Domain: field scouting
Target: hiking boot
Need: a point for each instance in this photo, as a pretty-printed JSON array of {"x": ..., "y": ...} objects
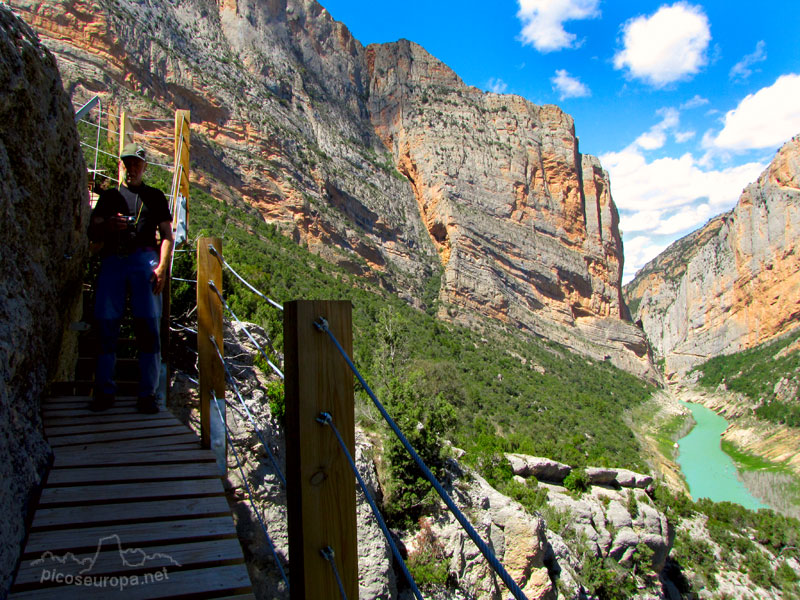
[
  {"x": 101, "y": 401},
  {"x": 147, "y": 405}
]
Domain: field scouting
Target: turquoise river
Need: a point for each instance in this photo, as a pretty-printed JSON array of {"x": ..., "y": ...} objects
[{"x": 710, "y": 472}]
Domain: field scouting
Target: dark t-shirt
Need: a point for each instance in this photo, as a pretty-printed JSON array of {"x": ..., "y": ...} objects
[{"x": 148, "y": 207}]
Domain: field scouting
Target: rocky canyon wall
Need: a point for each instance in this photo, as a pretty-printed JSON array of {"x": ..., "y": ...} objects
[
  {"x": 733, "y": 284},
  {"x": 379, "y": 159},
  {"x": 43, "y": 218}
]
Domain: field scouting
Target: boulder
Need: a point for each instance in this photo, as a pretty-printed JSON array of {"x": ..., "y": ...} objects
[
  {"x": 544, "y": 469},
  {"x": 601, "y": 475},
  {"x": 631, "y": 479}
]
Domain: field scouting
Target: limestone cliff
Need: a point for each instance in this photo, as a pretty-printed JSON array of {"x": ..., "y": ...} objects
[
  {"x": 524, "y": 225},
  {"x": 733, "y": 284},
  {"x": 379, "y": 158},
  {"x": 43, "y": 216}
]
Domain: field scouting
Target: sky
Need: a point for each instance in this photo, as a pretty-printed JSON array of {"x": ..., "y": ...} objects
[{"x": 685, "y": 103}]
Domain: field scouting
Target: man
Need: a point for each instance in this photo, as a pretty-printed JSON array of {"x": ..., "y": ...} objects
[{"x": 125, "y": 222}]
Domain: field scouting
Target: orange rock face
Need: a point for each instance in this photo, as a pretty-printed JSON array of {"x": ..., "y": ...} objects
[{"x": 735, "y": 283}]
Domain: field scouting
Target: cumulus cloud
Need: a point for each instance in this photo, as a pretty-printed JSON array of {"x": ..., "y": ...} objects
[
  {"x": 742, "y": 70},
  {"x": 543, "y": 21},
  {"x": 666, "y": 47},
  {"x": 498, "y": 86},
  {"x": 765, "y": 119},
  {"x": 669, "y": 183},
  {"x": 568, "y": 86}
]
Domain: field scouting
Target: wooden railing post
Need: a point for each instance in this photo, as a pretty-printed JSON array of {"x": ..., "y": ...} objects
[
  {"x": 321, "y": 497},
  {"x": 209, "y": 323}
]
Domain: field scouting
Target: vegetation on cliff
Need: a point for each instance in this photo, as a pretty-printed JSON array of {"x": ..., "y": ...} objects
[{"x": 767, "y": 374}]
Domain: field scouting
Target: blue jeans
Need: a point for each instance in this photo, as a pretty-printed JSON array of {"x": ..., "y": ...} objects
[{"x": 122, "y": 276}]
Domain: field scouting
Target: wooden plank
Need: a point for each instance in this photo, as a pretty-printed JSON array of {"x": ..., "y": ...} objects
[
  {"x": 119, "y": 435},
  {"x": 54, "y": 431},
  {"x": 110, "y": 420},
  {"x": 204, "y": 553},
  {"x": 197, "y": 583},
  {"x": 200, "y": 554},
  {"x": 150, "y": 509},
  {"x": 175, "y": 439},
  {"x": 81, "y": 457},
  {"x": 320, "y": 485},
  {"x": 209, "y": 324},
  {"x": 128, "y": 491},
  {"x": 85, "y": 412},
  {"x": 128, "y": 535},
  {"x": 111, "y": 474}
]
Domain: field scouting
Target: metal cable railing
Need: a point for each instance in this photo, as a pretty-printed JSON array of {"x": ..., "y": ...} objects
[
  {"x": 242, "y": 279},
  {"x": 327, "y": 419},
  {"x": 250, "y": 491},
  {"x": 322, "y": 325},
  {"x": 247, "y": 332},
  {"x": 272, "y": 458}
]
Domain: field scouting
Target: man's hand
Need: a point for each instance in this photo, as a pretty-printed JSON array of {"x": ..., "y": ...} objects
[{"x": 159, "y": 278}]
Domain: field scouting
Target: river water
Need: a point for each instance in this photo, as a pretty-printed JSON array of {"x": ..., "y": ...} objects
[{"x": 709, "y": 472}]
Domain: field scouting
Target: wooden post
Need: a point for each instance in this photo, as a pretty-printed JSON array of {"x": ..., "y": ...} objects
[
  {"x": 321, "y": 496},
  {"x": 125, "y": 137},
  {"x": 209, "y": 323},
  {"x": 180, "y": 184}
]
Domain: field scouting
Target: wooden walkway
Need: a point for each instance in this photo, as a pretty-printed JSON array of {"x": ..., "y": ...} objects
[{"x": 132, "y": 508}]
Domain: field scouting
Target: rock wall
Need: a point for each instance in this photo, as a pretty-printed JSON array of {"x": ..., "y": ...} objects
[
  {"x": 733, "y": 284},
  {"x": 43, "y": 218},
  {"x": 379, "y": 159},
  {"x": 524, "y": 225}
]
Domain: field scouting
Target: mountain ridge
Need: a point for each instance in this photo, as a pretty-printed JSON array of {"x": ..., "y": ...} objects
[{"x": 287, "y": 110}]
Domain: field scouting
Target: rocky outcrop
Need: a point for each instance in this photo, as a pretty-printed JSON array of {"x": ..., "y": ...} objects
[
  {"x": 524, "y": 225},
  {"x": 43, "y": 212},
  {"x": 551, "y": 471},
  {"x": 733, "y": 284},
  {"x": 379, "y": 159}
]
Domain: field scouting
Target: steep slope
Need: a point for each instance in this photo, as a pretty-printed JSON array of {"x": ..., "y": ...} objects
[
  {"x": 338, "y": 145},
  {"x": 735, "y": 283}
]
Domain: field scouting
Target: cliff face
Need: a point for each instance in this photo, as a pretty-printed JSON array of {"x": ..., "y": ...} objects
[
  {"x": 380, "y": 159},
  {"x": 524, "y": 225},
  {"x": 733, "y": 284},
  {"x": 43, "y": 217}
]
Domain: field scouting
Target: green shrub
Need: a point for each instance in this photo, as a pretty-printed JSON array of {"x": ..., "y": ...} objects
[
  {"x": 428, "y": 563},
  {"x": 277, "y": 400},
  {"x": 577, "y": 482}
]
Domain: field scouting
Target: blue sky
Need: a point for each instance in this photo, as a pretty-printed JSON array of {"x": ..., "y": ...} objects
[{"x": 685, "y": 103}]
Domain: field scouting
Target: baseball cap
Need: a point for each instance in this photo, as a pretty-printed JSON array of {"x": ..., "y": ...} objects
[{"x": 133, "y": 150}]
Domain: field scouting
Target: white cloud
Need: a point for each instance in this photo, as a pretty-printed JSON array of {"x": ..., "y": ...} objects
[
  {"x": 651, "y": 140},
  {"x": 669, "y": 183},
  {"x": 695, "y": 101},
  {"x": 686, "y": 218},
  {"x": 668, "y": 46},
  {"x": 684, "y": 136},
  {"x": 765, "y": 119},
  {"x": 543, "y": 21},
  {"x": 656, "y": 136},
  {"x": 498, "y": 86},
  {"x": 742, "y": 70},
  {"x": 638, "y": 252},
  {"x": 568, "y": 86}
]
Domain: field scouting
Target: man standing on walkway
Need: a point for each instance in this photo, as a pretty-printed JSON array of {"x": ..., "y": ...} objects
[{"x": 132, "y": 263}]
